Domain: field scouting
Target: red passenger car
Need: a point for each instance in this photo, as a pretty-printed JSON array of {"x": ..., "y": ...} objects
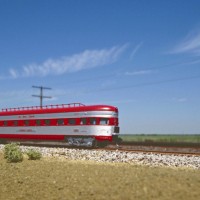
[{"x": 75, "y": 123}]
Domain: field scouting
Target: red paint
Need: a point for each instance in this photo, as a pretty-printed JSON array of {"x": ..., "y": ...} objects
[
  {"x": 32, "y": 111},
  {"x": 32, "y": 137},
  {"x": 102, "y": 138},
  {"x": 53, "y": 122},
  {"x": 28, "y": 114},
  {"x": 47, "y": 137}
]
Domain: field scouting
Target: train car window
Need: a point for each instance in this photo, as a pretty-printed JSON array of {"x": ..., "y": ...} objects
[
  {"x": 47, "y": 121},
  {"x": 60, "y": 121},
  {"x": 104, "y": 121},
  {"x": 83, "y": 121},
  {"x": 26, "y": 122},
  {"x": 5, "y": 123},
  {"x": 38, "y": 122},
  {"x": 15, "y": 123},
  {"x": 92, "y": 121},
  {"x": 72, "y": 121}
]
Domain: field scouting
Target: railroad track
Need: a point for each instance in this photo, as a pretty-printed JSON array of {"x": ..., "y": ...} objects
[
  {"x": 157, "y": 150},
  {"x": 175, "y": 150}
]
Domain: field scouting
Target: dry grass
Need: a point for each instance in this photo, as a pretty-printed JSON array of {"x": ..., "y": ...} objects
[{"x": 64, "y": 179}]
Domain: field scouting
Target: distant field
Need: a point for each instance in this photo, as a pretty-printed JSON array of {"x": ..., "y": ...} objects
[
  {"x": 52, "y": 178},
  {"x": 161, "y": 138}
]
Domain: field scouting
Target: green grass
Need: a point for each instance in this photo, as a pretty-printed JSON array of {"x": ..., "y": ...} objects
[
  {"x": 13, "y": 153},
  {"x": 33, "y": 154},
  {"x": 51, "y": 178},
  {"x": 161, "y": 138}
]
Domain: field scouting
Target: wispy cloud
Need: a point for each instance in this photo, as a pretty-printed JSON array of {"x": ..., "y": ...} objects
[
  {"x": 17, "y": 98},
  {"x": 112, "y": 102},
  {"x": 14, "y": 97},
  {"x": 140, "y": 72},
  {"x": 180, "y": 99},
  {"x": 191, "y": 44},
  {"x": 4, "y": 77},
  {"x": 77, "y": 62},
  {"x": 13, "y": 73},
  {"x": 135, "y": 50}
]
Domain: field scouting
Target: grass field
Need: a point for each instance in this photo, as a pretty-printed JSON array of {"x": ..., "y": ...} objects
[
  {"x": 64, "y": 179},
  {"x": 161, "y": 138}
]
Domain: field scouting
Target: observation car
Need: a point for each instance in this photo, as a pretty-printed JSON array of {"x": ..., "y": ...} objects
[{"x": 74, "y": 123}]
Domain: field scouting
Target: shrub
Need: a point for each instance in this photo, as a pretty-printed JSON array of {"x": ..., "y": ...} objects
[
  {"x": 13, "y": 153},
  {"x": 34, "y": 155}
]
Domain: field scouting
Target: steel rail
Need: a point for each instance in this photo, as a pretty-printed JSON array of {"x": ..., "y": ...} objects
[
  {"x": 124, "y": 148},
  {"x": 147, "y": 151}
]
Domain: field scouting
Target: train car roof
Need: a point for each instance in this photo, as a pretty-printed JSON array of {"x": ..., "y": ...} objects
[{"x": 74, "y": 107}]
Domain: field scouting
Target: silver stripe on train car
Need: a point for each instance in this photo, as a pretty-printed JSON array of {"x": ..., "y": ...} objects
[
  {"x": 61, "y": 130},
  {"x": 106, "y": 114}
]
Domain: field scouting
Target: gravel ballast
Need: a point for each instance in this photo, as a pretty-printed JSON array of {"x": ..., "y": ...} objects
[{"x": 150, "y": 159}]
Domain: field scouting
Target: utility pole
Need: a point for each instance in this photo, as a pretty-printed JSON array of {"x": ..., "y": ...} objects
[{"x": 41, "y": 96}]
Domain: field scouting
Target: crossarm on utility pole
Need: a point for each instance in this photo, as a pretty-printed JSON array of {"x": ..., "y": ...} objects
[{"x": 41, "y": 96}]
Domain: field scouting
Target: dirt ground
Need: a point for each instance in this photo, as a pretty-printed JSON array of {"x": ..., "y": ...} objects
[{"x": 63, "y": 179}]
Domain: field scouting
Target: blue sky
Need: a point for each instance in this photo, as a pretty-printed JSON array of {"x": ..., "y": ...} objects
[{"x": 141, "y": 56}]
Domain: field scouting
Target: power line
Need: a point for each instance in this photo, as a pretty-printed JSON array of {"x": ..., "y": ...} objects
[
  {"x": 123, "y": 87},
  {"x": 120, "y": 73},
  {"x": 41, "y": 96},
  {"x": 145, "y": 84}
]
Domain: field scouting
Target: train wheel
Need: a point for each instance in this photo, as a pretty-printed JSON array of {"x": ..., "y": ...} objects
[
  {"x": 102, "y": 144},
  {"x": 94, "y": 143}
]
